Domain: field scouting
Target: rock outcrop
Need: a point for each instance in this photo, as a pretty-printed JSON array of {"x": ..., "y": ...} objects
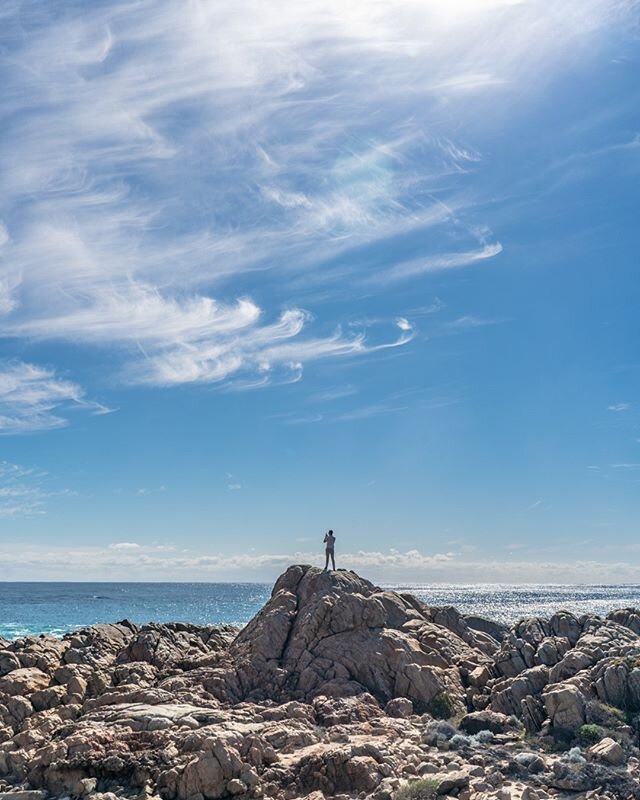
[
  {"x": 334, "y": 633},
  {"x": 335, "y": 688}
]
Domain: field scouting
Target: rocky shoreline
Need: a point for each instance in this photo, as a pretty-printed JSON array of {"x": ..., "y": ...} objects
[{"x": 336, "y": 688}]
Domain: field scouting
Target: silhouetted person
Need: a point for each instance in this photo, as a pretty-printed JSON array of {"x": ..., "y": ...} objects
[{"x": 330, "y": 541}]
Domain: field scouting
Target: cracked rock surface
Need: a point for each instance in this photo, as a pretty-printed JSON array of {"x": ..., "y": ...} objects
[{"x": 336, "y": 688}]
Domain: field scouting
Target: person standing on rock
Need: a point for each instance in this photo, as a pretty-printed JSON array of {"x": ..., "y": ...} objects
[{"x": 330, "y": 541}]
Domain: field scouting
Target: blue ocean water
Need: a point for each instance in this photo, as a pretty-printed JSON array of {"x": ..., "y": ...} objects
[{"x": 56, "y": 608}]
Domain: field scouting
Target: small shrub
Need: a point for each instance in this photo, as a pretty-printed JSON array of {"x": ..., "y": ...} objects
[
  {"x": 443, "y": 728},
  {"x": 589, "y": 734},
  {"x": 604, "y": 715},
  {"x": 442, "y": 706},
  {"x": 612, "y": 710},
  {"x": 437, "y": 732},
  {"x": 574, "y": 756},
  {"x": 480, "y": 738},
  {"x": 484, "y": 737},
  {"x": 419, "y": 789},
  {"x": 525, "y": 759}
]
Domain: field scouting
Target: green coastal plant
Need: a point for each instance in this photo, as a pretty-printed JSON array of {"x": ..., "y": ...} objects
[
  {"x": 442, "y": 706},
  {"x": 419, "y": 789},
  {"x": 609, "y": 709},
  {"x": 589, "y": 734}
]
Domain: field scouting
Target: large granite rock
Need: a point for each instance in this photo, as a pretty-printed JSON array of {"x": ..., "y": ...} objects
[
  {"x": 336, "y": 633},
  {"x": 565, "y": 705},
  {"x": 331, "y": 689},
  {"x": 24, "y": 681}
]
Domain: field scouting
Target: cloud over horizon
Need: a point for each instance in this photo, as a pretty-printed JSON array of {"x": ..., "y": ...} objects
[{"x": 167, "y": 562}]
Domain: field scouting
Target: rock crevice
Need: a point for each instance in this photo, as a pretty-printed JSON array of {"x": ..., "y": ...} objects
[{"x": 336, "y": 687}]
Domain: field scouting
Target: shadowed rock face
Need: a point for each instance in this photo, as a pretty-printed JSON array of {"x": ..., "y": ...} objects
[
  {"x": 323, "y": 693},
  {"x": 335, "y": 633}
]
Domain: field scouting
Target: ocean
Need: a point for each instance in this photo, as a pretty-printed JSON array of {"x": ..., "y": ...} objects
[{"x": 56, "y": 608}]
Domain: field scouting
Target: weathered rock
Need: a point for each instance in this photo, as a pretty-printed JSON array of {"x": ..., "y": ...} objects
[
  {"x": 479, "y": 676},
  {"x": 486, "y": 721},
  {"x": 629, "y": 617},
  {"x": 8, "y": 662},
  {"x": 444, "y": 784},
  {"x": 338, "y": 770},
  {"x": 607, "y": 750},
  {"x": 99, "y": 645},
  {"x": 176, "y": 644},
  {"x": 496, "y": 630},
  {"x": 23, "y": 681},
  {"x": 209, "y": 773},
  {"x": 323, "y": 628},
  {"x": 331, "y": 711},
  {"x": 324, "y": 694},
  {"x": 50, "y": 697},
  {"x": 565, "y": 706},
  {"x": 399, "y": 707},
  {"x": 42, "y": 652}
]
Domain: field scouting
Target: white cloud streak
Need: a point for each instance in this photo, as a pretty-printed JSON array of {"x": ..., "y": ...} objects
[
  {"x": 158, "y": 156},
  {"x": 24, "y": 492},
  {"x": 34, "y": 398},
  {"x": 445, "y": 261},
  {"x": 619, "y": 407}
]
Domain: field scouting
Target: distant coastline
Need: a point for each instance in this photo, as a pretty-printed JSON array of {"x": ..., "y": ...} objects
[{"x": 32, "y": 608}]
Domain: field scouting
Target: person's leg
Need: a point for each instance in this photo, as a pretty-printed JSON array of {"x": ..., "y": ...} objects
[
  {"x": 333, "y": 562},
  {"x": 326, "y": 561}
]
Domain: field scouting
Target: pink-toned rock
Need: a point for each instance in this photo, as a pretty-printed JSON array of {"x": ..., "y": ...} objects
[{"x": 24, "y": 681}]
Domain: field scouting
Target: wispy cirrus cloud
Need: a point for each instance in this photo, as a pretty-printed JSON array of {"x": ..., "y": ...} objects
[
  {"x": 619, "y": 407},
  {"x": 470, "y": 321},
  {"x": 437, "y": 263},
  {"x": 34, "y": 398},
  {"x": 24, "y": 491},
  {"x": 156, "y": 159}
]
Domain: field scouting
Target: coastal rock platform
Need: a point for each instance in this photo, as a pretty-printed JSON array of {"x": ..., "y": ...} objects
[{"x": 336, "y": 688}]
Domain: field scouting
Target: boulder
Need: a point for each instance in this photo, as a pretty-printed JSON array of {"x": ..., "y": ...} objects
[
  {"x": 496, "y": 630},
  {"x": 323, "y": 629},
  {"x": 24, "y": 681},
  {"x": 99, "y": 645},
  {"x": 330, "y": 711},
  {"x": 607, "y": 750},
  {"x": 451, "y": 781},
  {"x": 400, "y": 707},
  {"x": 479, "y": 676},
  {"x": 170, "y": 644},
  {"x": 48, "y": 698},
  {"x": 336, "y": 771},
  {"x": 492, "y": 721},
  {"x": 629, "y": 617},
  {"x": 8, "y": 662},
  {"x": 43, "y": 652},
  {"x": 565, "y": 706},
  {"x": 209, "y": 773}
]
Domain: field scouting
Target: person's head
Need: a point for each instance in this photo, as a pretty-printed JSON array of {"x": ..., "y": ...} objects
[{"x": 331, "y": 533}]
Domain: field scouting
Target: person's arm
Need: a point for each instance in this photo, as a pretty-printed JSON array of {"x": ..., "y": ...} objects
[{"x": 326, "y": 536}]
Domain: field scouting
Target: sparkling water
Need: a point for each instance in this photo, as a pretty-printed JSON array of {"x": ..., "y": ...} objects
[{"x": 33, "y": 608}]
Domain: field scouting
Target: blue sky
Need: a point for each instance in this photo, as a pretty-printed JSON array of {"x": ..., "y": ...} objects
[{"x": 266, "y": 270}]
